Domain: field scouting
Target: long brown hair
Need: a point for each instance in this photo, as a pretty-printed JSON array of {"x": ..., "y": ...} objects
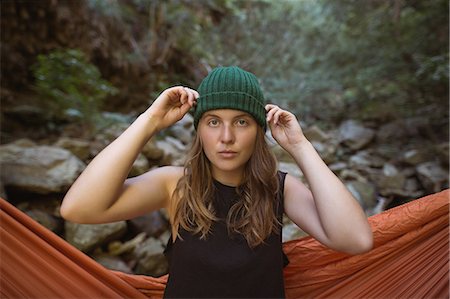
[{"x": 254, "y": 215}]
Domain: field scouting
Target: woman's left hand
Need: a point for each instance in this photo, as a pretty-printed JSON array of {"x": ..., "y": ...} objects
[{"x": 284, "y": 127}]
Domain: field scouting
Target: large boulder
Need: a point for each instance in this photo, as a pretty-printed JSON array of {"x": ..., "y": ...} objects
[
  {"x": 291, "y": 168},
  {"x": 183, "y": 130},
  {"x": 151, "y": 151},
  {"x": 140, "y": 166},
  {"x": 326, "y": 151},
  {"x": 416, "y": 156},
  {"x": 354, "y": 135},
  {"x": 2, "y": 191},
  {"x": 174, "y": 151},
  {"x": 87, "y": 237},
  {"x": 47, "y": 220},
  {"x": 291, "y": 232},
  {"x": 432, "y": 176},
  {"x": 443, "y": 152},
  {"x": 39, "y": 169},
  {"x": 153, "y": 224},
  {"x": 78, "y": 147},
  {"x": 391, "y": 179},
  {"x": 364, "y": 159},
  {"x": 365, "y": 194},
  {"x": 119, "y": 248},
  {"x": 106, "y": 136},
  {"x": 315, "y": 134},
  {"x": 112, "y": 263},
  {"x": 150, "y": 258}
]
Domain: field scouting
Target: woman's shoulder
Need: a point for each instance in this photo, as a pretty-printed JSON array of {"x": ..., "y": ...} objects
[
  {"x": 164, "y": 176},
  {"x": 171, "y": 170},
  {"x": 171, "y": 174}
]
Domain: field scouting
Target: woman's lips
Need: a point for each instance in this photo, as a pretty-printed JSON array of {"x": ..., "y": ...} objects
[{"x": 227, "y": 154}]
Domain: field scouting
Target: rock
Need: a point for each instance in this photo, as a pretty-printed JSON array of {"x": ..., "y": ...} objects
[
  {"x": 281, "y": 154},
  {"x": 164, "y": 238},
  {"x": 326, "y": 151},
  {"x": 350, "y": 175},
  {"x": 140, "y": 166},
  {"x": 24, "y": 142},
  {"x": 338, "y": 166},
  {"x": 151, "y": 151},
  {"x": 354, "y": 135},
  {"x": 105, "y": 137},
  {"x": 392, "y": 131},
  {"x": 49, "y": 221},
  {"x": 291, "y": 168},
  {"x": 118, "y": 248},
  {"x": 379, "y": 207},
  {"x": 443, "y": 152},
  {"x": 315, "y": 134},
  {"x": 174, "y": 151},
  {"x": 29, "y": 114},
  {"x": 391, "y": 178},
  {"x": 78, "y": 147},
  {"x": 364, "y": 193},
  {"x": 40, "y": 169},
  {"x": 114, "y": 117},
  {"x": 414, "y": 126},
  {"x": 151, "y": 259},
  {"x": 183, "y": 130},
  {"x": 409, "y": 172},
  {"x": 412, "y": 185},
  {"x": 415, "y": 156},
  {"x": 432, "y": 176},
  {"x": 153, "y": 224},
  {"x": 364, "y": 159},
  {"x": 89, "y": 236},
  {"x": 163, "y": 212},
  {"x": 385, "y": 152},
  {"x": 2, "y": 191},
  {"x": 113, "y": 131},
  {"x": 112, "y": 263},
  {"x": 291, "y": 232}
]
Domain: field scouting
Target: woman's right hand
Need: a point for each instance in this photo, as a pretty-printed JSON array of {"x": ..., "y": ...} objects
[{"x": 171, "y": 105}]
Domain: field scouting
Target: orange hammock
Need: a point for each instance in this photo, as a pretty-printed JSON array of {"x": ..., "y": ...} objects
[{"x": 409, "y": 260}]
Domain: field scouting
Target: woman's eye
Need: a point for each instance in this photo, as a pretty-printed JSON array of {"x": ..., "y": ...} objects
[
  {"x": 213, "y": 122},
  {"x": 242, "y": 122}
]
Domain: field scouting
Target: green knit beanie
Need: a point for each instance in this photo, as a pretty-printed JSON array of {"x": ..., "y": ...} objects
[{"x": 231, "y": 88}]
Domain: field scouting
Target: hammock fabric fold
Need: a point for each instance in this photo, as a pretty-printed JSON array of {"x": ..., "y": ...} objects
[{"x": 410, "y": 259}]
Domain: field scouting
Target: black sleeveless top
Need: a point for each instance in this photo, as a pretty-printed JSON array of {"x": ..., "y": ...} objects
[{"x": 224, "y": 266}]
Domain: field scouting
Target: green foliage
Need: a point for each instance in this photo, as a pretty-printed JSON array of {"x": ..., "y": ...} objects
[
  {"x": 321, "y": 58},
  {"x": 71, "y": 86}
]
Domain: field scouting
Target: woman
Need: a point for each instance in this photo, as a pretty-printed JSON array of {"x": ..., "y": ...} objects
[{"x": 226, "y": 204}]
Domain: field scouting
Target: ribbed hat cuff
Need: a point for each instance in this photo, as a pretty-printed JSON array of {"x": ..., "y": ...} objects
[{"x": 235, "y": 100}]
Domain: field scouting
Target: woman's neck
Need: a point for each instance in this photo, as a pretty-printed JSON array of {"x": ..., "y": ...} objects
[{"x": 228, "y": 178}]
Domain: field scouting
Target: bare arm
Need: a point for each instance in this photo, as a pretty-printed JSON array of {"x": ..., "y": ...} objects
[
  {"x": 102, "y": 193},
  {"x": 328, "y": 211}
]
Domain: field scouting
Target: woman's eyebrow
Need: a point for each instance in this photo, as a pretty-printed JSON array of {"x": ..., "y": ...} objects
[
  {"x": 209, "y": 114},
  {"x": 243, "y": 115}
]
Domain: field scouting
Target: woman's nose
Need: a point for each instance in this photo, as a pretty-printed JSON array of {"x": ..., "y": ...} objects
[{"x": 227, "y": 134}]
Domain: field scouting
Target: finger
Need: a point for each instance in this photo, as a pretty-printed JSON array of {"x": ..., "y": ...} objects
[
  {"x": 184, "y": 97},
  {"x": 278, "y": 116},
  {"x": 191, "y": 96},
  {"x": 269, "y": 107},
  {"x": 194, "y": 92},
  {"x": 197, "y": 95},
  {"x": 271, "y": 112}
]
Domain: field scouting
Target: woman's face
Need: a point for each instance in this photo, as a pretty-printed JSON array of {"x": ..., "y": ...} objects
[{"x": 228, "y": 138}]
